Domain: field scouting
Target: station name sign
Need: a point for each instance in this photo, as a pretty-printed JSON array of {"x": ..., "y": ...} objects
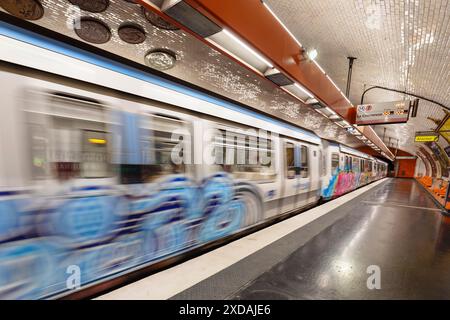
[
  {"x": 426, "y": 136},
  {"x": 383, "y": 113}
]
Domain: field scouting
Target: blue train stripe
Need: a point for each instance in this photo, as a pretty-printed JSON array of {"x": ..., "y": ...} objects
[{"x": 32, "y": 38}]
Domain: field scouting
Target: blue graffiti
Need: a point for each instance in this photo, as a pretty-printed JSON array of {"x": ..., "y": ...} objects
[{"x": 104, "y": 231}]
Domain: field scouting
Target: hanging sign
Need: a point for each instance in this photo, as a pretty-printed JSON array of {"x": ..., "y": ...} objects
[{"x": 383, "y": 113}]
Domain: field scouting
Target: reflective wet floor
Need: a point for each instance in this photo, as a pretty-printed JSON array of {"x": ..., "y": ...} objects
[{"x": 395, "y": 229}]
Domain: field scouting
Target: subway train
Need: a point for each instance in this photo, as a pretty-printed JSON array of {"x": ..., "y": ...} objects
[{"x": 105, "y": 169}]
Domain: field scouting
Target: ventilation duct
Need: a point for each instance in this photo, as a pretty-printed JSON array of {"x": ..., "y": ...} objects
[
  {"x": 278, "y": 78},
  {"x": 190, "y": 18}
]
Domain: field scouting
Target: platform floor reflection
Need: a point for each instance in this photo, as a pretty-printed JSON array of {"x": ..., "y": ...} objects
[{"x": 395, "y": 226}]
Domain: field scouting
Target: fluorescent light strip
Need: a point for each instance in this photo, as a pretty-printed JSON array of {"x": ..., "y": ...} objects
[
  {"x": 320, "y": 112},
  {"x": 315, "y": 62},
  {"x": 330, "y": 110},
  {"x": 282, "y": 24},
  {"x": 334, "y": 84},
  {"x": 298, "y": 42},
  {"x": 309, "y": 94},
  {"x": 320, "y": 68},
  {"x": 244, "y": 45},
  {"x": 342, "y": 93}
]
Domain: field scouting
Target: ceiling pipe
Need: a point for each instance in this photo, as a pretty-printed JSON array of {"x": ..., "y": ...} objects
[
  {"x": 403, "y": 92},
  {"x": 349, "y": 76}
]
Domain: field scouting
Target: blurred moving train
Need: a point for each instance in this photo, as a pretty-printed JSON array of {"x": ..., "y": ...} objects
[{"x": 104, "y": 170}]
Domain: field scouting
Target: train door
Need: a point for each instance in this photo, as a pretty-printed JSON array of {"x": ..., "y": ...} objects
[
  {"x": 291, "y": 181},
  {"x": 297, "y": 177},
  {"x": 330, "y": 180},
  {"x": 355, "y": 167},
  {"x": 305, "y": 155},
  {"x": 322, "y": 170},
  {"x": 247, "y": 156},
  {"x": 361, "y": 172},
  {"x": 315, "y": 166}
]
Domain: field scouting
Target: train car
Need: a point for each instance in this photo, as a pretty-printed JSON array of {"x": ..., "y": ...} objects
[
  {"x": 105, "y": 170},
  {"x": 348, "y": 169}
]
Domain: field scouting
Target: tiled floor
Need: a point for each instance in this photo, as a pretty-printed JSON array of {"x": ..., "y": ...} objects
[{"x": 396, "y": 227}]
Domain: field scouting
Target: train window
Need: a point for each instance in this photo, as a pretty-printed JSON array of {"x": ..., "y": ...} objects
[
  {"x": 79, "y": 147},
  {"x": 69, "y": 139},
  {"x": 304, "y": 162},
  {"x": 39, "y": 147},
  {"x": 244, "y": 154},
  {"x": 95, "y": 157},
  {"x": 361, "y": 165},
  {"x": 290, "y": 160},
  {"x": 334, "y": 162},
  {"x": 346, "y": 163},
  {"x": 157, "y": 146},
  {"x": 369, "y": 166},
  {"x": 323, "y": 163},
  {"x": 355, "y": 165}
]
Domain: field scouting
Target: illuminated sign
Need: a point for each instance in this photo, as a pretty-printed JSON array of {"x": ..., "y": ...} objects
[
  {"x": 97, "y": 141},
  {"x": 383, "y": 113},
  {"x": 444, "y": 130},
  {"x": 426, "y": 136}
]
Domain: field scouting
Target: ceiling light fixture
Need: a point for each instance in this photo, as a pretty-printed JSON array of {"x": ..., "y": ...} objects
[
  {"x": 312, "y": 54},
  {"x": 330, "y": 110},
  {"x": 314, "y": 103},
  {"x": 320, "y": 68},
  {"x": 321, "y": 113},
  {"x": 245, "y": 46},
  {"x": 282, "y": 24},
  {"x": 309, "y": 94}
]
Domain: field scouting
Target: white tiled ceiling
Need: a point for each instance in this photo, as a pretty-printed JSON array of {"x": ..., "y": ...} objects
[{"x": 401, "y": 44}]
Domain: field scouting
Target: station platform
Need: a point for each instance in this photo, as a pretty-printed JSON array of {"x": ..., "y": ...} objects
[{"x": 324, "y": 253}]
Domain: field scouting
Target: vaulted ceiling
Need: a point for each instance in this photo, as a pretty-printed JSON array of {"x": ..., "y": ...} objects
[{"x": 400, "y": 44}]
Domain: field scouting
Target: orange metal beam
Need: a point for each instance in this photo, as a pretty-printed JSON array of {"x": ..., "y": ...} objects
[{"x": 251, "y": 20}]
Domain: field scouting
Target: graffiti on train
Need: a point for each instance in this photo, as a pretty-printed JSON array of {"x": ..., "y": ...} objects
[{"x": 103, "y": 230}]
